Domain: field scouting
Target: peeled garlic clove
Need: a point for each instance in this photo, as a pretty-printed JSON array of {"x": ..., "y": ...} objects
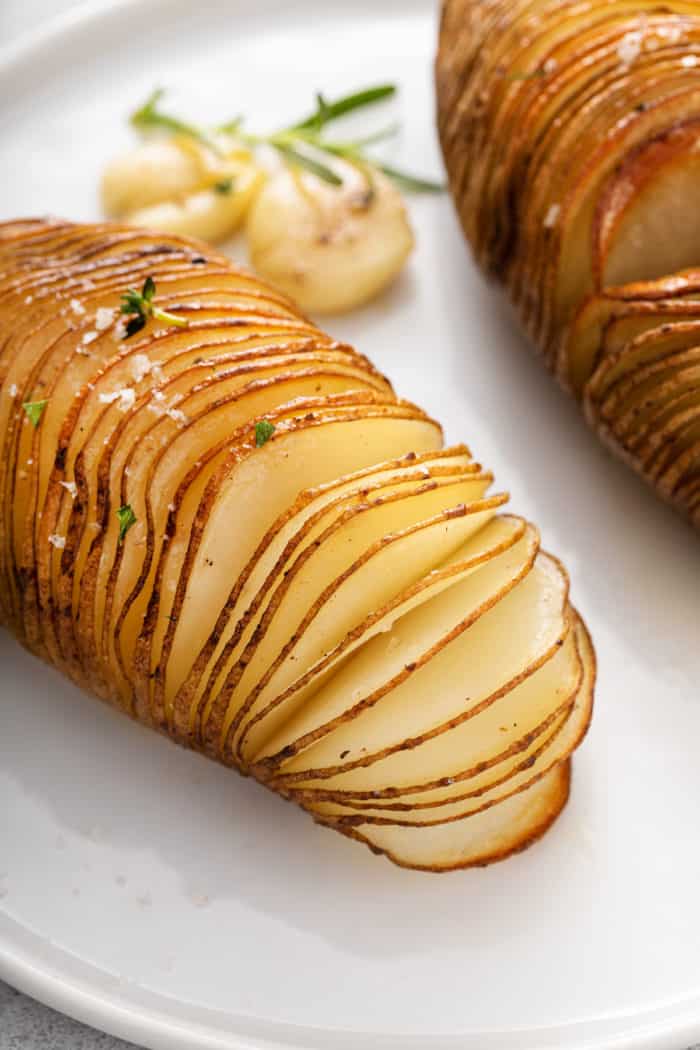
[
  {"x": 330, "y": 248},
  {"x": 208, "y": 214},
  {"x": 148, "y": 174}
]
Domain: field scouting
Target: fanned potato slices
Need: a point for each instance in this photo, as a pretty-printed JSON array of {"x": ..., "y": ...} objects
[
  {"x": 229, "y": 526},
  {"x": 571, "y": 136}
]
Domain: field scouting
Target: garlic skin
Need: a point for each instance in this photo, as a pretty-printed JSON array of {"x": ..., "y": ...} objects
[
  {"x": 169, "y": 184},
  {"x": 330, "y": 248}
]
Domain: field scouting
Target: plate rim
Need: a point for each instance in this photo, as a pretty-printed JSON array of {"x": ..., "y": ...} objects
[{"x": 152, "y": 1026}]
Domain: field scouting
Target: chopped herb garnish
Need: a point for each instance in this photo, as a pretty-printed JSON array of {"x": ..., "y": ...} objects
[
  {"x": 34, "y": 410},
  {"x": 301, "y": 144},
  {"x": 126, "y": 518},
  {"x": 224, "y": 186},
  {"x": 140, "y": 305},
  {"x": 263, "y": 432}
]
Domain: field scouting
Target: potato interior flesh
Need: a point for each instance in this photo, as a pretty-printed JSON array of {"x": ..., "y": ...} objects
[
  {"x": 504, "y": 778},
  {"x": 410, "y": 638},
  {"x": 648, "y": 230},
  {"x": 292, "y": 532},
  {"x": 233, "y": 530},
  {"x": 479, "y": 839}
]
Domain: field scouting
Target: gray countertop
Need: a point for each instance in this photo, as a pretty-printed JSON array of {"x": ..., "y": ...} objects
[{"x": 24, "y": 1023}]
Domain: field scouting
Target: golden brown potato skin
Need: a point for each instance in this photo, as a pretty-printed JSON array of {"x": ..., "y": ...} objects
[
  {"x": 236, "y": 546},
  {"x": 570, "y": 134}
]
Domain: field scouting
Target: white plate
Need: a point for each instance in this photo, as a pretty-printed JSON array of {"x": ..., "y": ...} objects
[{"x": 157, "y": 896}]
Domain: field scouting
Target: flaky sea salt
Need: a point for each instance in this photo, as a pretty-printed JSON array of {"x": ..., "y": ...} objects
[
  {"x": 77, "y": 307},
  {"x": 126, "y": 398},
  {"x": 70, "y": 487},
  {"x": 141, "y": 366},
  {"x": 103, "y": 318},
  {"x": 552, "y": 216},
  {"x": 58, "y": 542},
  {"x": 689, "y": 61},
  {"x": 177, "y": 416},
  {"x": 630, "y": 47},
  {"x": 13, "y": 391},
  {"x": 119, "y": 331}
]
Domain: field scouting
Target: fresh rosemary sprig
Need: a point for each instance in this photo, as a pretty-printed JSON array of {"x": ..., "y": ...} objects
[
  {"x": 140, "y": 306},
  {"x": 302, "y": 144},
  {"x": 327, "y": 111},
  {"x": 148, "y": 116}
]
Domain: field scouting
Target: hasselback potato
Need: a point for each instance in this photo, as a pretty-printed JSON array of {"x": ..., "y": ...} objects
[
  {"x": 571, "y": 134},
  {"x": 228, "y": 526}
]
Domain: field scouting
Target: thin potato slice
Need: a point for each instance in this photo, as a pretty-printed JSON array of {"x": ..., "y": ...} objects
[
  {"x": 295, "y": 528},
  {"x": 324, "y": 518},
  {"x": 506, "y": 779},
  {"x": 393, "y": 561},
  {"x": 480, "y": 839},
  {"x": 412, "y": 743},
  {"x": 413, "y": 639}
]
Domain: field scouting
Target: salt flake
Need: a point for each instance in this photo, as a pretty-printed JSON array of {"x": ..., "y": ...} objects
[
  {"x": 630, "y": 47},
  {"x": 103, "y": 318},
  {"x": 552, "y": 216}
]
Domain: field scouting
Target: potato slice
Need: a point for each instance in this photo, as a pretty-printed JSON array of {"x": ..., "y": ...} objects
[
  {"x": 394, "y": 745},
  {"x": 412, "y": 641},
  {"x": 644, "y": 229},
  {"x": 389, "y": 562},
  {"x": 477, "y": 840},
  {"x": 249, "y": 502},
  {"x": 296, "y": 528},
  {"x": 473, "y": 795}
]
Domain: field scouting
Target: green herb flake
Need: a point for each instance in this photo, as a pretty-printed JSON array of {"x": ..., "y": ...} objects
[
  {"x": 126, "y": 518},
  {"x": 224, "y": 186},
  {"x": 34, "y": 410},
  {"x": 263, "y": 432},
  {"x": 141, "y": 308}
]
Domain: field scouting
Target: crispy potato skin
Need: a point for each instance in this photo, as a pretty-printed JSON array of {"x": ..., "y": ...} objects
[
  {"x": 570, "y": 134},
  {"x": 210, "y": 525}
]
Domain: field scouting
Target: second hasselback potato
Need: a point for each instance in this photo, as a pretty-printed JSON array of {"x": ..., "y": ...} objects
[
  {"x": 229, "y": 527},
  {"x": 571, "y": 134}
]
